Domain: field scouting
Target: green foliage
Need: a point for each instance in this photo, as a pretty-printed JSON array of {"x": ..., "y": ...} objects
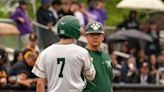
[{"x": 115, "y": 15}]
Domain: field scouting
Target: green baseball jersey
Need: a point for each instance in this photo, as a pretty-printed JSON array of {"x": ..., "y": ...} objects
[{"x": 104, "y": 74}]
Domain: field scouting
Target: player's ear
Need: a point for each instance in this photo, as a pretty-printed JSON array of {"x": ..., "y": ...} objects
[{"x": 103, "y": 37}]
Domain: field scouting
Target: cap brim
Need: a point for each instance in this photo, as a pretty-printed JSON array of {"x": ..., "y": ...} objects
[{"x": 101, "y": 32}]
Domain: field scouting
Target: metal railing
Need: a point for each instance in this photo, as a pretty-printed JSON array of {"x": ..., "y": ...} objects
[{"x": 46, "y": 27}]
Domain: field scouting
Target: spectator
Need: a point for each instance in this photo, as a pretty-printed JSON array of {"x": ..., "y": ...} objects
[
  {"x": 31, "y": 46},
  {"x": 65, "y": 9},
  {"x": 75, "y": 8},
  {"x": 132, "y": 70},
  {"x": 45, "y": 17},
  {"x": 24, "y": 25},
  {"x": 144, "y": 77},
  {"x": 25, "y": 66},
  {"x": 153, "y": 47},
  {"x": 162, "y": 78},
  {"x": 20, "y": 79},
  {"x": 18, "y": 57},
  {"x": 131, "y": 22},
  {"x": 153, "y": 65},
  {"x": 128, "y": 71},
  {"x": 116, "y": 67},
  {"x": 87, "y": 16},
  {"x": 93, "y": 11},
  {"x": 101, "y": 9},
  {"x": 3, "y": 73},
  {"x": 125, "y": 49},
  {"x": 56, "y": 6},
  {"x": 133, "y": 52},
  {"x": 161, "y": 60},
  {"x": 141, "y": 58}
]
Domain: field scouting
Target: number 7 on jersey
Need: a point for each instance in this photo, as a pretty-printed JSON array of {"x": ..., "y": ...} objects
[{"x": 61, "y": 60}]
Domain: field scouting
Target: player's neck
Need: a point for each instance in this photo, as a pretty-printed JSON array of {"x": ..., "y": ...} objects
[
  {"x": 93, "y": 48},
  {"x": 66, "y": 41}
]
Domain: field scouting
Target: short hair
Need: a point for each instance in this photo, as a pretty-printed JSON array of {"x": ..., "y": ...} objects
[
  {"x": 3, "y": 54},
  {"x": 75, "y": 2},
  {"x": 152, "y": 22},
  {"x": 56, "y": 2},
  {"x": 23, "y": 2},
  {"x": 132, "y": 12},
  {"x": 64, "y": 37},
  {"x": 33, "y": 37},
  {"x": 32, "y": 55}
]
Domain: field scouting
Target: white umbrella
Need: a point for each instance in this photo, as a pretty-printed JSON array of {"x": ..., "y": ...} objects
[
  {"x": 8, "y": 29},
  {"x": 142, "y": 4}
]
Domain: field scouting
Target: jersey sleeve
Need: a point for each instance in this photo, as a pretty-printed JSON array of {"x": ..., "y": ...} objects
[
  {"x": 39, "y": 67},
  {"x": 88, "y": 68}
]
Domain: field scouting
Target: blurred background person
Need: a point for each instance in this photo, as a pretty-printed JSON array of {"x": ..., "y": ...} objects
[
  {"x": 45, "y": 17},
  {"x": 141, "y": 58},
  {"x": 131, "y": 22},
  {"x": 144, "y": 76},
  {"x": 26, "y": 66},
  {"x": 87, "y": 16},
  {"x": 91, "y": 9},
  {"x": 153, "y": 66},
  {"x": 56, "y": 6},
  {"x": 162, "y": 78},
  {"x": 116, "y": 67},
  {"x": 21, "y": 79},
  {"x": 20, "y": 16},
  {"x": 75, "y": 8},
  {"x": 31, "y": 46},
  {"x": 66, "y": 4},
  {"x": 154, "y": 46},
  {"x": 101, "y": 9},
  {"x": 3, "y": 73},
  {"x": 18, "y": 57},
  {"x": 161, "y": 60}
]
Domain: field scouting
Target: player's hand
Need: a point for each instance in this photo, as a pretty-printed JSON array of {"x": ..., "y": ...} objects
[{"x": 22, "y": 20}]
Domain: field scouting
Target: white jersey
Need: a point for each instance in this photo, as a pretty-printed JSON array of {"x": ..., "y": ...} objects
[{"x": 62, "y": 66}]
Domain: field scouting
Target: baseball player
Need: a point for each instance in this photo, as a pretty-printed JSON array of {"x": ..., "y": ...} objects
[
  {"x": 63, "y": 63},
  {"x": 101, "y": 61}
]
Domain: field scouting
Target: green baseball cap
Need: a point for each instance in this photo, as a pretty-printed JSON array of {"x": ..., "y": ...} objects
[{"x": 94, "y": 27}]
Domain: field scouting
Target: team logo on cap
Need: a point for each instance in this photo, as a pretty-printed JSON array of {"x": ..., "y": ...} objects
[
  {"x": 95, "y": 26},
  {"x": 62, "y": 32}
]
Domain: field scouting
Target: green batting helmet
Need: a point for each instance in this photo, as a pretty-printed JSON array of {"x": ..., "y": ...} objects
[
  {"x": 69, "y": 26},
  {"x": 94, "y": 27}
]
